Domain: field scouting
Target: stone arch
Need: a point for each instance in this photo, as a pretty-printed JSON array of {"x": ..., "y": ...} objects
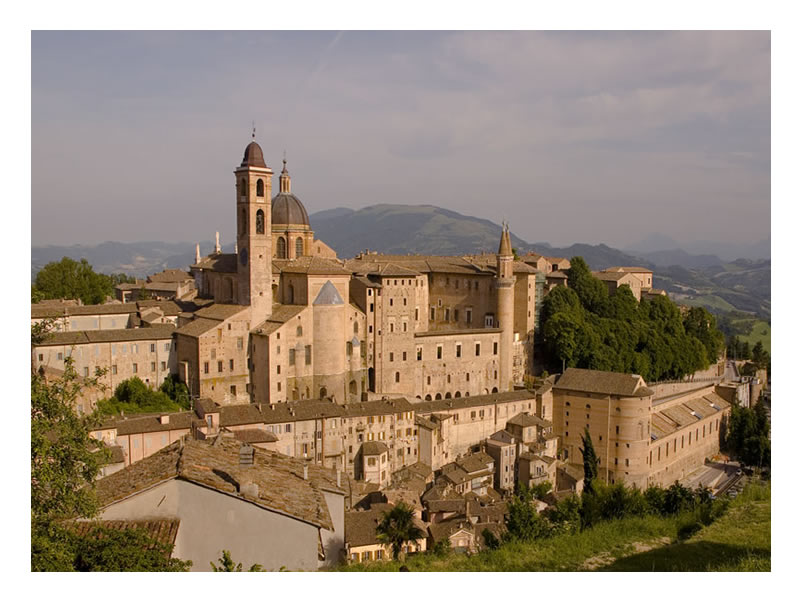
[
  {"x": 428, "y": 398},
  {"x": 438, "y": 395},
  {"x": 281, "y": 252},
  {"x": 494, "y": 390},
  {"x": 458, "y": 394},
  {"x": 448, "y": 395},
  {"x": 485, "y": 391},
  {"x": 323, "y": 392}
]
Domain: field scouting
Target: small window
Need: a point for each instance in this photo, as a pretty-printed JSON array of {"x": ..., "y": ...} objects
[
  {"x": 231, "y": 364},
  {"x": 397, "y": 377},
  {"x": 308, "y": 355},
  {"x": 260, "y": 189},
  {"x": 438, "y": 352},
  {"x": 152, "y": 347},
  {"x": 291, "y": 356},
  {"x": 477, "y": 348},
  {"x": 219, "y": 366},
  {"x": 494, "y": 348},
  {"x": 135, "y": 368}
]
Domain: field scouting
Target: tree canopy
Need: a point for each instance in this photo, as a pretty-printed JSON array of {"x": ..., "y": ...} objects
[
  {"x": 134, "y": 396},
  {"x": 70, "y": 279},
  {"x": 397, "y": 527},
  {"x": 585, "y": 327}
]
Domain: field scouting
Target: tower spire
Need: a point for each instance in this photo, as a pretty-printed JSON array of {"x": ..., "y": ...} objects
[
  {"x": 285, "y": 180},
  {"x": 197, "y": 254}
]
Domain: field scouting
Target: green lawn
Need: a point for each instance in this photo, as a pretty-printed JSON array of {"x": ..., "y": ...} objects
[
  {"x": 761, "y": 332},
  {"x": 739, "y": 541}
]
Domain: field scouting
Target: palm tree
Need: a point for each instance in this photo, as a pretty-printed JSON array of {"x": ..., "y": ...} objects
[{"x": 398, "y": 527}]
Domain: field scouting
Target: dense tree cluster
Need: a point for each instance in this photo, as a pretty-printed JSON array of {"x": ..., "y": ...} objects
[
  {"x": 585, "y": 327},
  {"x": 133, "y": 396},
  {"x": 70, "y": 279},
  {"x": 748, "y": 435}
]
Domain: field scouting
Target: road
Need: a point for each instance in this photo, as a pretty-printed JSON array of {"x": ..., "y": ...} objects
[{"x": 731, "y": 373}]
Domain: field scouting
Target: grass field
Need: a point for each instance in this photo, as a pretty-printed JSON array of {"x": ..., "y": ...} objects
[
  {"x": 761, "y": 332},
  {"x": 738, "y": 541}
]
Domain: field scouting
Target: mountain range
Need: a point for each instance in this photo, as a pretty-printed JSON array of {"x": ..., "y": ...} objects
[{"x": 704, "y": 279}]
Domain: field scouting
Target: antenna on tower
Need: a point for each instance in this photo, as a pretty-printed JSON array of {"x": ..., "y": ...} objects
[{"x": 254, "y": 130}]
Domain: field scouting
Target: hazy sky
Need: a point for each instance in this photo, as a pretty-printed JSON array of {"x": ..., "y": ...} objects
[{"x": 572, "y": 137}]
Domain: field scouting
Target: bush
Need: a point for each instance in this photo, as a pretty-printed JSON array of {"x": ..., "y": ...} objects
[{"x": 134, "y": 396}]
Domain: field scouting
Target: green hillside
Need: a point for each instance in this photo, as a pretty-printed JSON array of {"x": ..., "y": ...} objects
[{"x": 738, "y": 541}]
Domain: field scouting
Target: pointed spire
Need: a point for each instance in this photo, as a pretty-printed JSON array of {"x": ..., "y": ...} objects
[
  {"x": 217, "y": 248},
  {"x": 505, "y": 242},
  {"x": 285, "y": 180},
  {"x": 197, "y": 254}
]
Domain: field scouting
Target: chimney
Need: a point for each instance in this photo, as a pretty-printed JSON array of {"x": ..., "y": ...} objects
[
  {"x": 217, "y": 248},
  {"x": 305, "y": 472},
  {"x": 197, "y": 254},
  {"x": 246, "y": 452}
]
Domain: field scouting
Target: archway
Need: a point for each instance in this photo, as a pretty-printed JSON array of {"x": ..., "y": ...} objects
[
  {"x": 458, "y": 394},
  {"x": 448, "y": 395},
  {"x": 428, "y": 398},
  {"x": 323, "y": 392},
  {"x": 494, "y": 390},
  {"x": 438, "y": 396}
]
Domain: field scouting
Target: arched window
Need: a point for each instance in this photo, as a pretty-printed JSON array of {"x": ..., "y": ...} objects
[
  {"x": 439, "y": 396},
  {"x": 299, "y": 331},
  {"x": 260, "y": 221},
  {"x": 458, "y": 394},
  {"x": 323, "y": 392},
  {"x": 281, "y": 247},
  {"x": 494, "y": 390},
  {"x": 298, "y": 247},
  {"x": 447, "y": 395},
  {"x": 428, "y": 397},
  {"x": 260, "y": 188}
]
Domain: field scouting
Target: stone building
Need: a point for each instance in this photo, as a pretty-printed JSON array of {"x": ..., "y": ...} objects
[{"x": 638, "y": 440}]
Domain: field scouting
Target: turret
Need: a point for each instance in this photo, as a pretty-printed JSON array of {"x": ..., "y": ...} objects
[{"x": 505, "y": 309}]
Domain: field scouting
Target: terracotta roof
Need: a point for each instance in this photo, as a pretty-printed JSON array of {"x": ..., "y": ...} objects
[
  {"x": 501, "y": 437},
  {"x": 601, "y": 382},
  {"x": 300, "y": 410},
  {"x": 39, "y": 311},
  {"x": 476, "y": 462},
  {"x": 628, "y": 269},
  {"x": 360, "y": 526},
  {"x": 416, "y": 262},
  {"x": 171, "y": 275},
  {"x": 311, "y": 265},
  {"x": 220, "y": 263},
  {"x": 612, "y": 276},
  {"x": 69, "y": 338},
  {"x": 528, "y": 420},
  {"x": 197, "y": 327},
  {"x": 149, "y": 423},
  {"x": 451, "y": 332},
  {"x": 220, "y": 312},
  {"x": 373, "y": 448},
  {"x": 161, "y": 530},
  {"x": 473, "y": 401},
  {"x": 445, "y": 529},
  {"x": 281, "y": 485},
  {"x": 556, "y": 275},
  {"x": 378, "y": 407},
  {"x": 281, "y": 314}
]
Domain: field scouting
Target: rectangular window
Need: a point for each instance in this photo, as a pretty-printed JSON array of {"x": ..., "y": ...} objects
[
  {"x": 135, "y": 368},
  {"x": 433, "y": 313},
  {"x": 239, "y": 343},
  {"x": 308, "y": 355},
  {"x": 205, "y": 368},
  {"x": 397, "y": 377},
  {"x": 85, "y": 371},
  {"x": 458, "y": 350},
  {"x": 113, "y": 369},
  {"x": 219, "y": 366},
  {"x": 231, "y": 364},
  {"x": 391, "y": 356},
  {"x": 494, "y": 348},
  {"x": 166, "y": 347},
  {"x": 419, "y": 352},
  {"x": 291, "y": 356},
  {"x": 152, "y": 347},
  {"x": 152, "y": 367},
  {"x": 163, "y": 365},
  {"x": 404, "y": 356},
  {"x": 446, "y": 314},
  {"x": 469, "y": 315},
  {"x": 477, "y": 348},
  {"x": 439, "y": 352}
]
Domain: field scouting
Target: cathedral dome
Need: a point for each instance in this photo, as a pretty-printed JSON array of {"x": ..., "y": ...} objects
[
  {"x": 253, "y": 156},
  {"x": 288, "y": 210}
]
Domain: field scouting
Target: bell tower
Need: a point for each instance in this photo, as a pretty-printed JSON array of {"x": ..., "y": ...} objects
[{"x": 253, "y": 233}]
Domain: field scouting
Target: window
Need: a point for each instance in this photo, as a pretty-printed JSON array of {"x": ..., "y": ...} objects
[
  {"x": 205, "y": 368},
  {"x": 397, "y": 377},
  {"x": 419, "y": 352},
  {"x": 416, "y": 314},
  {"x": 219, "y": 366},
  {"x": 259, "y": 190},
  {"x": 308, "y": 355},
  {"x": 233, "y": 390},
  {"x": 231, "y": 364},
  {"x": 61, "y": 356},
  {"x": 455, "y": 314},
  {"x": 404, "y": 357},
  {"x": 433, "y": 313},
  {"x": 136, "y": 370},
  {"x": 166, "y": 347},
  {"x": 299, "y": 331},
  {"x": 239, "y": 343},
  {"x": 298, "y": 247},
  {"x": 469, "y": 315},
  {"x": 446, "y": 314},
  {"x": 281, "y": 248},
  {"x": 85, "y": 371},
  {"x": 472, "y": 415},
  {"x": 163, "y": 365},
  {"x": 152, "y": 347},
  {"x": 494, "y": 348},
  {"x": 113, "y": 369},
  {"x": 291, "y": 356},
  {"x": 438, "y": 352},
  {"x": 152, "y": 367},
  {"x": 477, "y": 348},
  {"x": 488, "y": 321}
]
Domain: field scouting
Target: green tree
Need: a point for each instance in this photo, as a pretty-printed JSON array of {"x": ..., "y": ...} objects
[
  {"x": 397, "y": 527},
  {"x": 592, "y": 292},
  {"x": 523, "y": 521},
  {"x": 228, "y": 565},
  {"x": 108, "y": 549},
  {"x": 702, "y": 325},
  {"x": 760, "y": 356},
  {"x": 589, "y": 461},
  {"x": 177, "y": 391},
  {"x": 133, "y": 396},
  {"x": 73, "y": 280}
]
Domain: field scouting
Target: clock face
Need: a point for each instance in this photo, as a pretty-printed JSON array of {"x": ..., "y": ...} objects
[{"x": 243, "y": 256}]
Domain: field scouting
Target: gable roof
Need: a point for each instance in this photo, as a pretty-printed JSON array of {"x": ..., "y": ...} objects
[
  {"x": 528, "y": 420},
  {"x": 602, "y": 382},
  {"x": 373, "y": 448},
  {"x": 69, "y": 338},
  {"x": 311, "y": 265},
  {"x": 215, "y": 465},
  {"x": 219, "y": 262}
]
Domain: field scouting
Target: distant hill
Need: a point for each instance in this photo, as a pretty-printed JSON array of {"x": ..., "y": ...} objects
[{"x": 706, "y": 280}]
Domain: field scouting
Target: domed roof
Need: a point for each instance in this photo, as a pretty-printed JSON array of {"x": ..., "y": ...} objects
[
  {"x": 253, "y": 156},
  {"x": 288, "y": 210}
]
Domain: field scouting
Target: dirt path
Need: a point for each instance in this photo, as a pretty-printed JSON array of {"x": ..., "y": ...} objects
[{"x": 606, "y": 558}]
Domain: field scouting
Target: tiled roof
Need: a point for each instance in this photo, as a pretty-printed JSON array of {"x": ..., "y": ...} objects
[
  {"x": 373, "y": 448},
  {"x": 280, "y": 479},
  {"x": 281, "y": 314},
  {"x": 170, "y": 276},
  {"x": 600, "y": 382},
  {"x": 475, "y": 463},
  {"x": 449, "y": 527},
  {"x": 300, "y": 410},
  {"x": 451, "y": 332},
  {"x": 528, "y": 420},
  {"x": 556, "y": 275},
  {"x": 161, "y": 530},
  {"x": 378, "y": 407},
  {"x": 417, "y": 262},
  {"x": 628, "y": 269},
  {"x": 197, "y": 327},
  {"x": 221, "y": 263},
  {"x": 472, "y": 401},
  {"x": 360, "y": 526},
  {"x": 254, "y": 436},
  {"x": 68, "y": 338},
  {"x": 610, "y": 276},
  {"x": 149, "y": 423},
  {"x": 311, "y": 265},
  {"x": 501, "y": 437},
  {"x": 220, "y": 312}
]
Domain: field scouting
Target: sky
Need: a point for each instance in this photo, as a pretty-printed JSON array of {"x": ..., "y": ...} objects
[{"x": 593, "y": 137}]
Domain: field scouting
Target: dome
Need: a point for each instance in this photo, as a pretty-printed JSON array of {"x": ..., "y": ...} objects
[
  {"x": 288, "y": 210},
  {"x": 253, "y": 156}
]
